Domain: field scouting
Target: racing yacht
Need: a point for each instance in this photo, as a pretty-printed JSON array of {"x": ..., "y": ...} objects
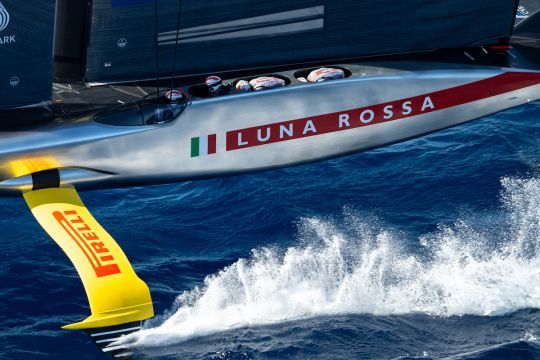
[{"x": 132, "y": 101}]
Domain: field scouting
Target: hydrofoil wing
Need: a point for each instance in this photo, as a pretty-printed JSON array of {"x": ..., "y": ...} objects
[{"x": 118, "y": 298}]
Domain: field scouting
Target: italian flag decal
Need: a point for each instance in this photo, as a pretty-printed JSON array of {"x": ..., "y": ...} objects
[{"x": 204, "y": 145}]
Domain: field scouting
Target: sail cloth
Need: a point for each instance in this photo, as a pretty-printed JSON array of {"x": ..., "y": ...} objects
[
  {"x": 218, "y": 35},
  {"x": 123, "y": 40},
  {"x": 26, "y": 41},
  {"x": 526, "y": 9},
  {"x": 527, "y": 29}
]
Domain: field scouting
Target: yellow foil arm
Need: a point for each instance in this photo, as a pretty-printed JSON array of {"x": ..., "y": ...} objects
[{"x": 115, "y": 293}]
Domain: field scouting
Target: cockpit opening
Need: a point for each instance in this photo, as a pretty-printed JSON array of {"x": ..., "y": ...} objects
[{"x": 146, "y": 112}]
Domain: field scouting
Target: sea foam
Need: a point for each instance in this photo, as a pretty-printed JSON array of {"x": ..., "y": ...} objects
[{"x": 356, "y": 266}]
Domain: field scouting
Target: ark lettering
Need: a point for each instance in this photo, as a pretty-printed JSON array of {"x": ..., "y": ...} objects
[{"x": 7, "y": 40}]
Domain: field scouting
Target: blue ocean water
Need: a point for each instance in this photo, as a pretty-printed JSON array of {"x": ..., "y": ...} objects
[{"x": 428, "y": 249}]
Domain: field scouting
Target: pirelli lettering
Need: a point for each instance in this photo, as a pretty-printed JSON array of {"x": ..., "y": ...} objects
[{"x": 95, "y": 250}]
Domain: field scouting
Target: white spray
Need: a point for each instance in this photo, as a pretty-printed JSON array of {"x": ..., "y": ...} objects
[{"x": 359, "y": 268}]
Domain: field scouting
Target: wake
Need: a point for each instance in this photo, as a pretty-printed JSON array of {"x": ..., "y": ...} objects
[{"x": 359, "y": 267}]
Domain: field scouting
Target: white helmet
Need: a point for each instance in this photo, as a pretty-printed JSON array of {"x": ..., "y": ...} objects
[
  {"x": 214, "y": 83},
  {"x": 243, "y": 86},
  {"x": 174, "y": 95},
  {"x": 324, "y": 74},
  {"x": 266, "y": 83}
]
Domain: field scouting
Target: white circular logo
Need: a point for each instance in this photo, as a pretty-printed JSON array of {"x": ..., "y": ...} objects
[
  {"x": 14, "y": 81},
  {"x": 4, "y": 17},
  {"x": 122, "y": 43}
]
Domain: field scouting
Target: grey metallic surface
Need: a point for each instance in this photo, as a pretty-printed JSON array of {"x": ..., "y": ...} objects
[{"x": 136, "y": 155}]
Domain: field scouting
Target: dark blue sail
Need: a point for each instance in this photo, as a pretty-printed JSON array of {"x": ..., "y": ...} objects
[
  {"x": 26, "y": 60},
  {"x": 116, "y": 3},
  {"x": 128, "y": 40},
  {"x": 218, "y": 35}
]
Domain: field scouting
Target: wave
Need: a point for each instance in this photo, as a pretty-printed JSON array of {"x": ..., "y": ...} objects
[
  {"x": 356, "y": 265},
  {"x": 525, "y": 346}
]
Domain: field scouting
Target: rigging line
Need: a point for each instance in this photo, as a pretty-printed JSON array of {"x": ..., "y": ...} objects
[
  {"x": 176, "y": 44},
  {"x": 157, "y": 45}
]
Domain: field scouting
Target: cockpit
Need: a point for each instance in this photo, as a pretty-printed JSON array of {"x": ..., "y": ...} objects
[{"x": 146, "y": 112}]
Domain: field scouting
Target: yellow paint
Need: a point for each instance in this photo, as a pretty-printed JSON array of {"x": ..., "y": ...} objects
[
  {"x": 115, "y": 293},
  {"x": 27, "y": 166}
]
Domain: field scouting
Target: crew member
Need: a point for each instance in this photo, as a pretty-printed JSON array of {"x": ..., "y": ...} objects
[
  {"x": 325, "y": 74},
  {"x": 266, "y": 83},
  {"x": 243, "y": 86},
  {"x": 174, "y": 95},
  {"x": 215, "y": 86}
]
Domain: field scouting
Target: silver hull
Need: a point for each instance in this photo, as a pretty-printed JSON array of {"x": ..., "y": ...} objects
[{"x": 379, "y": 105}]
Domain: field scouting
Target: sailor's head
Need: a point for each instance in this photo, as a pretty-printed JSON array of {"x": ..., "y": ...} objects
[
  {"x": 325, "y": 74},
  {"x": 243, "y": 86},
  {"x": 214, "y": 84},
  {"x": 174, "y": 95}
]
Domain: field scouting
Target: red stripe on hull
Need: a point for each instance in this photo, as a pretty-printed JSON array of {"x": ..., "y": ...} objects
[
  {"x": 212, "y": 144},
  {"x": 375, "y": 114}
]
